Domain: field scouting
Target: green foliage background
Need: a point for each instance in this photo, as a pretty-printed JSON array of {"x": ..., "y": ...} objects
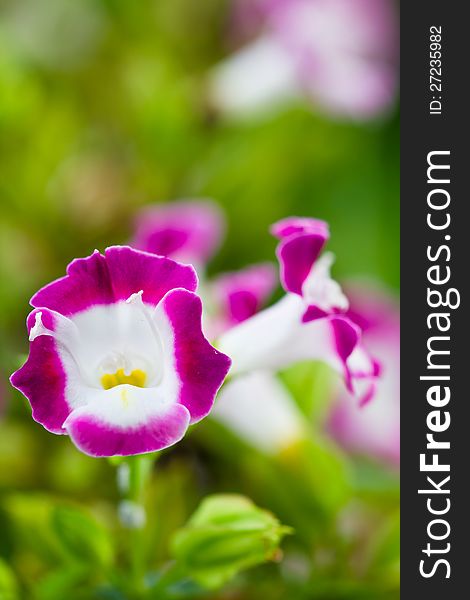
[{"x": 103, "y": 108}]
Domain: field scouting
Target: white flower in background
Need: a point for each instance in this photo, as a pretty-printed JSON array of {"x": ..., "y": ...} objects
[
  {"x": 259, "y": 409},
  {"x": 341, "y": 55}
]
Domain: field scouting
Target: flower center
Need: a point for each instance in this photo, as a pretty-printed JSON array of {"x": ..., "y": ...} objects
[{"x": 136, "y": 377}]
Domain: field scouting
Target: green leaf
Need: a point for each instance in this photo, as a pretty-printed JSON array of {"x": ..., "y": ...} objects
[
  {"x": 62, "y": 583},
  {"x": 311, "y": 386},
  {"x": 29, "y": 517},
  {"x": 385, "y": 551},
  {"x": 82, "y": 536},
  {"x": 8, "y": 586},
  {"x": 225, "y": 535},
  {"x": 318, "y": 464}
]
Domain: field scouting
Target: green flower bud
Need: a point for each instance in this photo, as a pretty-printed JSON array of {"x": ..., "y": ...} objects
[{"x": 225, "y": 535}]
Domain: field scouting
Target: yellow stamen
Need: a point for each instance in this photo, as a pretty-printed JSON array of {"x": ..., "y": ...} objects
[{"x": 136, "y": 377}]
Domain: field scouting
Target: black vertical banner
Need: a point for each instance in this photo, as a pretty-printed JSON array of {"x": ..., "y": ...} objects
[{"x": 435, "y": 263}]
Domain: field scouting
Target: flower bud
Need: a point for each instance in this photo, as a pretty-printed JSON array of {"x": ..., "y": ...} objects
[{"x": 225, "y": 535}]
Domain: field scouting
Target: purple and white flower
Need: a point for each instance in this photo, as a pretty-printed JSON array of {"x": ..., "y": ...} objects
[
  {"x": 340, "y": 54},
  {"x": 374, "y": 429},
  {"x": 187, "y": 231},
  {"x": 308, "y": 323},
  {"x": 118, "y": 360}
]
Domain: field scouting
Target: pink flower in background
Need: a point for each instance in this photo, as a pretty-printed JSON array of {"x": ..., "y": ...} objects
[
  {"x": 306, "y": 324},
  {"x": 241, "y": 294},
  {"x": 341, "y": 54},
  {"x": 373, "y": 429},
  {"x": 187, "y": 231},
  {"x": 117, "y": 359}
]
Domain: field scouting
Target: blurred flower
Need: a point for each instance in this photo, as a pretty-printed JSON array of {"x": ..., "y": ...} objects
[
  {"x": 304, "y": 324},
  {"x": 246, "y": 19},
  {"x": 241, "y": 294},
  {"x": 373, "y": 429},
  {"x": 341, "y": 54},
  {"x": 189, "y": 231},
  {"x": 302, "y": 240},
  {"x": 118, "y": 360},
  {"x": 255, "y": 78},
  {"x": 260, "y": 411},
  {"x": 301, "y": 273}
]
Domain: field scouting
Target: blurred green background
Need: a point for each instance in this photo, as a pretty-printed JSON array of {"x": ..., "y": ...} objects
[{"x": 103, "y": 109}]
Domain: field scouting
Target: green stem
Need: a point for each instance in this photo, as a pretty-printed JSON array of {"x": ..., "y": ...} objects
[{"x": 133, "y": 476}]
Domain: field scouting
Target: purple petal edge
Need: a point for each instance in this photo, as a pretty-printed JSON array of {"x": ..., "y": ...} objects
[
  {"x": 42, "y": 379},
  {"x": 297, "y": 254},
  {"x": 122, "y": 271},
  {"x": 242, "y": 293},
  {"x": 98, "y": 438},
  {"x": 347, "y": 337},
  {"x": 291, "y": 225},
  {"x": 201, "y": 368},
  {"x": 190, "y": 229}
]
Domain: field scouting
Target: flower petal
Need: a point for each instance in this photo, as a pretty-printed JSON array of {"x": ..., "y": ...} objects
[
  {"x": 291, "y": 225},
  {"x": 97, "y": 280},
  {"x": 112, "y": 337},
  {"x": 360, "y": 369},
  {"x": 187, "y": 231},
  {"x": 43, "y": 378},
  {"x": 276, "y": 338},
  {"x": 241, "y": 294},
  {"x": 126, "y": 420},
  {"x": 312, "y": 313},
  {"x": 373, "y": 428},
  {"x": 296, "y": 255},
  {"x": 302, "y": 240},
  {"x": 262, "y": 342},
  {"x": 260, "y": 410},
  {"x": 86, "y": 284},
  {"x": 132, "y": 270},
  {"x": 344, "y": 51},
  {"x": 200, "y": 368},
  {"x": 322, "y": 293}
]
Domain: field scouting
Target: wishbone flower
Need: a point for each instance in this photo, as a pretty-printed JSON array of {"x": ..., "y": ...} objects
[
  {"x": 340, "y": 55},
  {"x": 187, "y": 231},
  {"x": 118, "y": 360},
  {"x": 308, "y": 323},
  {"x": 239, "y": 295}
]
